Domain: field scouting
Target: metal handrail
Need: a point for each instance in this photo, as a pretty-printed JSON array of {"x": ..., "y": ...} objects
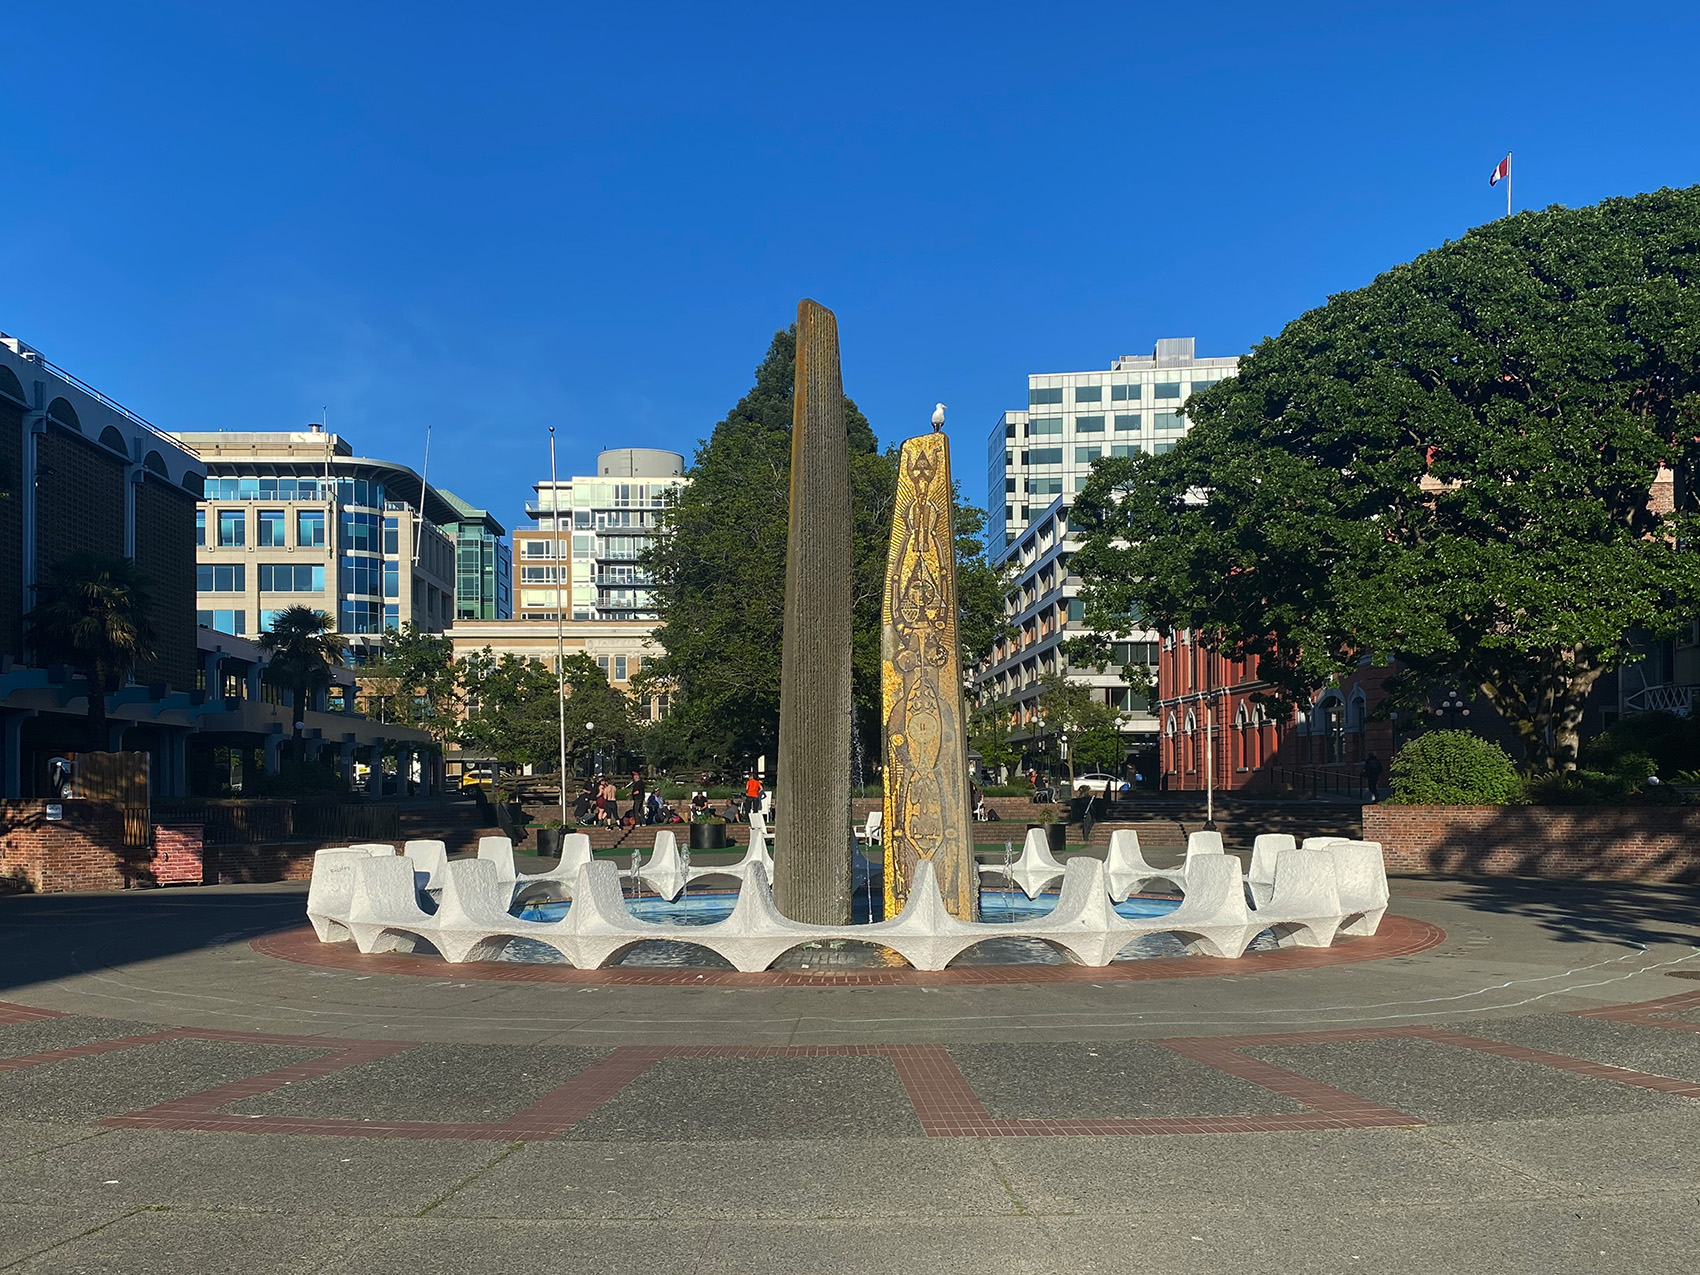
[
  {"x": 1319, "y": 779},
  {"x": 36, "y": 358}
]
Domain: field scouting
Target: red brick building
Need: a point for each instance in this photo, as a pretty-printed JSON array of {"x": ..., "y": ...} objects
[{"x": 1201, "y": 693}]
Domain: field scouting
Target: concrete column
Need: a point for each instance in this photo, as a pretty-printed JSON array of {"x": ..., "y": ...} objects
[
  {"x": 274, "y": 753},
  {"x": 346, "y": 763},
  {"x": 212, "y": 670}
]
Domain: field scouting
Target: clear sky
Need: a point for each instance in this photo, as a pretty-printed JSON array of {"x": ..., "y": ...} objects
[{"x": 493, "y": 218}]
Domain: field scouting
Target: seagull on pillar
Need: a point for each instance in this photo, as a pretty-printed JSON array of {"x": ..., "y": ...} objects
[{"x": 938, "y": 417}]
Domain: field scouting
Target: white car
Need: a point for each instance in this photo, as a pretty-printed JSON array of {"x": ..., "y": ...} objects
[{"x": 1094, "y": 784}]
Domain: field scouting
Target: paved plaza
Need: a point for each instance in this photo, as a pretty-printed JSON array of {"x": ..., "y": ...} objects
[{"x": 1510, "y": 1082}]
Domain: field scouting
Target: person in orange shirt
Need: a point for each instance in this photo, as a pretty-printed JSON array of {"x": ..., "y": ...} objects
[{"x": 752, "y": 797}]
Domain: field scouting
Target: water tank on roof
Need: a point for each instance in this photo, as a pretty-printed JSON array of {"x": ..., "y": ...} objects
[{"x": 639, "y": 462}]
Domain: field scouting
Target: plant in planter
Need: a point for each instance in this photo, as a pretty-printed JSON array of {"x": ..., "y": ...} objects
[
  {"x": 1056, "y": 831},
  {"x": 549, "y": 836}
]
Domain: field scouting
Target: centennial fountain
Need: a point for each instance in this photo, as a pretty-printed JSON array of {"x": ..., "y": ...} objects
[{"x": 801, "y": 895}]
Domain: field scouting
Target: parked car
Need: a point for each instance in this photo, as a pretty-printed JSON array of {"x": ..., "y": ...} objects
[{"x": 1094, "y": 784}]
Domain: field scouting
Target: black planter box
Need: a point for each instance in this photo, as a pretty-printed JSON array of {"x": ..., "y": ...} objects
[
  {"x": 708, "y": 836},
  {"x": 1056, "y": 834},
  {"x": 549, "y": 842}
]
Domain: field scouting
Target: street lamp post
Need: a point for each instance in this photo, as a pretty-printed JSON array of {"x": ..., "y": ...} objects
[{"x": 1452, "y": 704}]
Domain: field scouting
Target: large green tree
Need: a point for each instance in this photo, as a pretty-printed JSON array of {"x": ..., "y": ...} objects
[
  {"x": 414, "y": 681},
  {"x": 511, "y": 709},
  {"x": 1454, "y": 467},
  {"x": 719, "y": 574}
]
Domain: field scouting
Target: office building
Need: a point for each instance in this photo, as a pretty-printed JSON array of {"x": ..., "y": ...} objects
[
  {"x": 586, "y": 535},
  {"x": 1073, "y": 418},
  {"x": 1043, "y": 609},
  {"x": 483, "y": 563},
  {"x": 81, "y": 474},
  {"x": 296, "y": 519},
  {"x": 1037, "y": 460}
]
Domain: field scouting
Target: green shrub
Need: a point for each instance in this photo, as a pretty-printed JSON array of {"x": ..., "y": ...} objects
[
  {"x": 1454, "y": 768},
  {"x": 1647, "y": 744}
]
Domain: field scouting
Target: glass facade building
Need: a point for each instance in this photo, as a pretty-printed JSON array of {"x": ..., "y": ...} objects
[{"x": 483, "y": 563}]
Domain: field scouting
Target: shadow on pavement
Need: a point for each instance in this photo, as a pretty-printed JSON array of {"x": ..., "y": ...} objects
[
  {"x": 1587, "y": 911},
  {"x": 46, "y": 936}
]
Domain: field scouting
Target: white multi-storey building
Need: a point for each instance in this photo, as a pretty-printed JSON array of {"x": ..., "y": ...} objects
[
  {"x": 1037, "y": 460},
  {"x": 1073, "y": 418},
  {"x": 587, "y": 534}
]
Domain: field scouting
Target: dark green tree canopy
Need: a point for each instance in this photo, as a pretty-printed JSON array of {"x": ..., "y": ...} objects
[
  {"x": 1455, "y": 467},
  {"x": 91, "y": 614},
  {"x": 719, "y": 573}
]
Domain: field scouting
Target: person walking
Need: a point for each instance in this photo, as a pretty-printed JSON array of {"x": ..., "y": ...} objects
[
  {"x": 752, "y": 796},
  {"x": 1372, "y": 776}
]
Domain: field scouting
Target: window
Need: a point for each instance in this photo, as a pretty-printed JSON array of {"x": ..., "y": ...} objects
[
  {"x": 619, "y": 668},
  {"x": 1044, "y": 487},
  {"x": 537, "y": 548},
  {"x": 392, "y": 578},
  {"x": 1124, "y": 393},
  {"x": 602, "y": 662},
  {"x": 1160, "y": 448},
  {"x": 1201, "y": 385},
  {"x": 210, "y": 578},
  {"x": 1167, "y": 389},
  {"x": 1044, "y": 396},
  {"x": 1088, "y": 393},
  {"x": 1045, "y": 456},
  {"x": 271, "y": 529},
  {"x": 1086, "y": 455},
  {"x": 200, "y": 526},
  {"x": 1043, "y": 425},
  {"x": 362, "y": 575},
  {"x": 361, "y": 617},
  {"x": 232, "y": 527},
  {"x": 362, "y": 532},
  {"x": 292, "y": 577},
  {"x": 1008, "y": 485},
  {"x": 392, "y": 535},
  {"x": 1009, "y": 511},
  {"x": 1076, "y": 610},
  {"x": 267, "y": 619},
  {"x": 537, "y": 575},
  {"x": 1009, "y": 430},
  {"x": 1167, "y": 420},
  {"x": 1126, "y": 423},
  {"x": 1088, "y": 424},
  {"x": 232, "y": 622},
  {"x": 310, "y": 528},
  {"x": 1124, "y": 450}
]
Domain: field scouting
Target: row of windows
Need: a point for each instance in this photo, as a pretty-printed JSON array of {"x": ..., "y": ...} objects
[
  {"x": 362, "y": 575},
  {"x": 350, "y": 491},
  {"x": 1118, "y": 393},
  {"x": 362, "y": 533},
  {"x": 292, "y": 577},
  {"x": 275, "y": 577},
  {"x": 232, "y": 527},
  {"x": 1130, "y": 422}
]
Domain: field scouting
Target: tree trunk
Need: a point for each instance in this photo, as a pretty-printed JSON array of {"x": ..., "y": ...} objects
[
  {"x": 298, "y": 732},
  {"x": 1543, "y": 707}
]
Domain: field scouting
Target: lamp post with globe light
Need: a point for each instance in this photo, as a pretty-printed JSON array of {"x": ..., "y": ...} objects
[{"x": 1453, "y": 704}]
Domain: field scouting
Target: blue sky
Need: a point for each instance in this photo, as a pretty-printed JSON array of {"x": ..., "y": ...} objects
[{"x": 500, "y": 217}]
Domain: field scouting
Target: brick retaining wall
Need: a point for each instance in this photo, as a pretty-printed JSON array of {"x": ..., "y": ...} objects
[
  {"x": 84, "y": 850},
  {"x": 1611, "y": 843}
]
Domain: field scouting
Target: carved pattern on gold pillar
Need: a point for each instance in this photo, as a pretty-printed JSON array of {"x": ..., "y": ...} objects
[{"x": 926, "y": 748}]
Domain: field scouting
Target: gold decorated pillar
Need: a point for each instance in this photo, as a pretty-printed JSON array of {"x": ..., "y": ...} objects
[{"x": 926, "y": 738}]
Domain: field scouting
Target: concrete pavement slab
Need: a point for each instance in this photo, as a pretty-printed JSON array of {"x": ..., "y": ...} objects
[
  {"x": 110, "y": 1084},
  {"x": 1365, "y": 1166},
  {"x": 261, "y": 1172},
  {"x": 440, "y": 1246},
  {"x": 27, "y": 1229},
  {"x": 197, "y": 1242},
  {"x": 717, "y": 1181},
  {"x": 1642, "y": 1236},
  {"x": 1621, "y": 1154},
  {"x": 728, "y": 1099},
  {"x": 1106, "y": 1079},
  {"x": 474, "y": 1083},
  {"x": 1443, "y": 1084}
]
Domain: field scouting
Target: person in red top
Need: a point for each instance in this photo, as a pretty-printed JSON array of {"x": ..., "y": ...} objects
[{"x": 752, "y": 796}]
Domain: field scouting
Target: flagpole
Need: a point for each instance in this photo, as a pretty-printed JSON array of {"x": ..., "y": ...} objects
[
  {"x": 1508, "y": 179},
  {"x": 560, "y": 642}
]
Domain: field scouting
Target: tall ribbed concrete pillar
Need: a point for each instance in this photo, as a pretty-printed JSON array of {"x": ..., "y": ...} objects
[
  {"x": 925, "y": 727},
  {"x": 812, "y": 846}
]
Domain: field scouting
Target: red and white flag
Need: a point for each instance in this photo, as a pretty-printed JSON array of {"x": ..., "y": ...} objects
[{"x": 1501, "y": 171}]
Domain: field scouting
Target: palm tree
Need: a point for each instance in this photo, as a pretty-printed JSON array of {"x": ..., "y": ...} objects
[
  {"x": 91, "y": 614},
  {"x": 304, "y": 644}
]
